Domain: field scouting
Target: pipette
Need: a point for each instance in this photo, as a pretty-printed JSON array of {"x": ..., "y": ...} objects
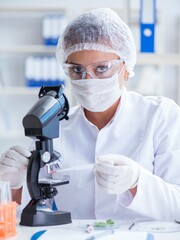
[
  {"x": 56, "y": 166},
  {"x": 78, "y": 168}
]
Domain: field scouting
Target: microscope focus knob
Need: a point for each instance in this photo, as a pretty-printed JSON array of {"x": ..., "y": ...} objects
[{"x": 45, "y": 157}]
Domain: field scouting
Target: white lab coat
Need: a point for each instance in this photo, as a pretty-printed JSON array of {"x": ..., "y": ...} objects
[{"x": 145, "y": 129}]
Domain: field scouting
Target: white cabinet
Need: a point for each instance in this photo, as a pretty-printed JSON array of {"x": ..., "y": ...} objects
[
  {"x": 14, "y": 104},
  {"x": 21, "y": 36}
]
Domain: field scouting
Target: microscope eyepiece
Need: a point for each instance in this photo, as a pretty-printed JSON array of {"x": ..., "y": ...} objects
[{"x": 42, "y": 120}]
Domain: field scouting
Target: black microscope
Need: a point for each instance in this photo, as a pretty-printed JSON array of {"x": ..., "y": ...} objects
[{"x": 42, "y": 123}]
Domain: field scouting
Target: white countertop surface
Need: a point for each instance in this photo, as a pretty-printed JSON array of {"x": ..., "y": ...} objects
[{"x": 76, "y": 230}]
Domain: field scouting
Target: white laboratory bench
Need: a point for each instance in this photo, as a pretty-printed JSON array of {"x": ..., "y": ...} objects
[{"x": 76, "y": 231}]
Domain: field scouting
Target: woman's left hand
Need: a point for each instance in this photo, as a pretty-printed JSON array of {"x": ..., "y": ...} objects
[{"x": 116, "y": 174}]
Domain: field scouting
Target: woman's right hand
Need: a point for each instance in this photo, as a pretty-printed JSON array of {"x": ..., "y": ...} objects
[{"x": 13, "y": 166}]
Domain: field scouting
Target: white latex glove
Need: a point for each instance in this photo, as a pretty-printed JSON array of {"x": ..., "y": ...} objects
[
  {"x": 13, "y": 166},
  {"x": 116, "y": 174}
]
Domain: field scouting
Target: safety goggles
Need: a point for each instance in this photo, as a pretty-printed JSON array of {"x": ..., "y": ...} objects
[{"x": 104, "y": 69}]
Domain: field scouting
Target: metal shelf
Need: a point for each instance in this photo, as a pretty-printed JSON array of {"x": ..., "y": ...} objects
[
  {"x": 19, "y": 91},
  {"x": 142, "y": 58},
  {"x": 158, "y": 59},
  {"x": 11, "y": 134},
  {"x": 29, "y": 49},
  {"x": 27, "y": 8}
]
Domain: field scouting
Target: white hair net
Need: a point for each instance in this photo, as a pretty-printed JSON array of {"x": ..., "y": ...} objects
[{"x": 99, "y": 29}]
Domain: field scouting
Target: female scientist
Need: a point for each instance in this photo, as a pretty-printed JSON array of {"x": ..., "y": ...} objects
[{"x": 132, "y": 140}]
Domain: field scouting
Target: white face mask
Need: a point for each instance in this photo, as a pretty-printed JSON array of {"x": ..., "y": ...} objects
[{"x": 96, "y": 95}]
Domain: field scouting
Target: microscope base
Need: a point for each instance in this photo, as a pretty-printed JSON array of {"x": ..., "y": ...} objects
[{"x": 41, "y": 218}]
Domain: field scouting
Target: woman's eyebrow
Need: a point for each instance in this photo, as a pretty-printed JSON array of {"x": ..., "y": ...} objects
[{"x": 75, "y": 63}]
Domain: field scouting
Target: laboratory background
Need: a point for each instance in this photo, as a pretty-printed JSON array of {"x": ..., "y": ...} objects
[{"x": 29, "y": 30}]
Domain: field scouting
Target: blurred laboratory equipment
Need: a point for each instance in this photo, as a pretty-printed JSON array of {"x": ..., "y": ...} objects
[
  {"x": 43, "y": 71},
  {"x": 147, "y": 25},
  {"x": 7, "y": 211},
  {"x": 52, "y": 28}
]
